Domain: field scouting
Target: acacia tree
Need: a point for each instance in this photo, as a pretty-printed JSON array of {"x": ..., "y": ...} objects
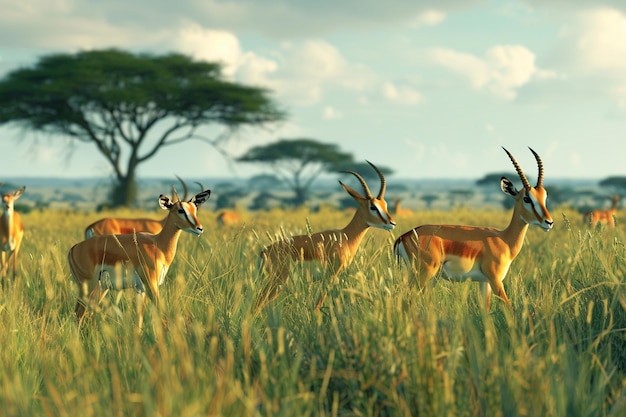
[
  {"x": 298, "y": 162},
  {"x": 130, "y": 106}
]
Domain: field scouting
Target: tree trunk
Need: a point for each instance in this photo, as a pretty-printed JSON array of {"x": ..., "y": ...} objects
[
  {"x": 124, "y": 192},
  {"x": 301, "y": 197}
]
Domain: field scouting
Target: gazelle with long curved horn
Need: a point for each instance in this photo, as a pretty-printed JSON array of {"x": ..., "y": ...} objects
[
  {"x": 11, "y": 232},
  {"x": 594, "y": 217},
  {"x": 127, "y": 226},
  {"x": 482, "y": 254},
  {"x": 139, "y": 261},
  {"x": 334, "y": 248}
]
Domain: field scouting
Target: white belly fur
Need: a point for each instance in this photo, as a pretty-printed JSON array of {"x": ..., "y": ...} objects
[
  {"x": 456, "y": 268},
  {"x": 116, "y": 278}
]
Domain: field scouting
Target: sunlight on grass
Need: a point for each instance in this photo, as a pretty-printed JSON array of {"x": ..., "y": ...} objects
[{"x": 377, "y": 346}]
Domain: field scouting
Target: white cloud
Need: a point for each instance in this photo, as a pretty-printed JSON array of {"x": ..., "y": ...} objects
[
  {"x": 401, "y": 94},
  {"x": 589, "y": 56},
  {"x": 330, "y": 113},
  {"x": 428, "y": 18},
  {"x": 595, "y": 41},
  {"x": 502, "y": 71},
  {"x": 315, "y": 59},
  {"x": 210, "y": 45}
]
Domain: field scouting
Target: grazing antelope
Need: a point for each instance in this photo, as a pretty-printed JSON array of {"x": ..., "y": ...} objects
[
  {"x": 139, "y": 260},
  {"x": 334, "y": 248},
  {"x": 594, "y": 217},
  {"x": 11, "y": 232},
  {"x": 228, "y": 218},
  {"x": 482, "y": 254},
  {"x": 398, "y": 210}
]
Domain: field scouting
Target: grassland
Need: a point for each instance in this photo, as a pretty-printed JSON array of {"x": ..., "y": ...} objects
[{"x": 377, "y": 347}]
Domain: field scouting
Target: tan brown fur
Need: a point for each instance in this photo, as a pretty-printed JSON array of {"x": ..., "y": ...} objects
[
  {"x": 144, "y": 254},
  {"x": 228, "y": 218},
  {"x": 481, "y": 254},
  {"x": 335, "y": 249},
  {"x": 122, "y": 226},
  {"x": 606, "y": 217},
  {"x": 11, "y": 233}
]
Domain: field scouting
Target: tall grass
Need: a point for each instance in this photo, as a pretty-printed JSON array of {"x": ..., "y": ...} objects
[{"x": 377, "y": 347}]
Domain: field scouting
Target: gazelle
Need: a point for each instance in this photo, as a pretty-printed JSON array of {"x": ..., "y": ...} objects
[
  {"x": 122, "y": 226},
  {"x": 11, "y": 232},
  {"x": 482, "y": 254},
  {"x": 127, "y": 226},
  {"x": 398, "y": 210},
  {"x": 139, "y": 260},
  {"x": 228, "y": 218},
  {"x": 594, "y": 217},
  {"x": 334, "y": 248}
]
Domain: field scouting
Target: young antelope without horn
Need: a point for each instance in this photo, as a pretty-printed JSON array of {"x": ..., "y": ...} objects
[{"x": 11, "y": 233}]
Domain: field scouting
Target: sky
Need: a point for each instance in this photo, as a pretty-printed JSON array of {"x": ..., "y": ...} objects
[{"x": 430, "y": 89}]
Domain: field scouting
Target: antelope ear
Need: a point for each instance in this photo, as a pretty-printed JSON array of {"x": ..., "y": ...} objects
[
  {"x": 354, "y": 194},
  {"x": 19, "y": 192},
  {"x": 507, "y": 187},
  {"x": 201, "y": 197},
  {"x": 164, "y": 202}
]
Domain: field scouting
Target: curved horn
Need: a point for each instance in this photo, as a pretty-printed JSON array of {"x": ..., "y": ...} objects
[
  {"x": 368, "y": 193},
  {"x": 522, "y": 177},
  {"x": 383, "y": 182},
  {"x": 175, "y": 196},
  {"x": 540, "y": 167},
  {"x": 185, "y": 190}
]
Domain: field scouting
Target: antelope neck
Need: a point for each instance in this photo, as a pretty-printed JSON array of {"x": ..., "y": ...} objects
[{"x": 515, "y": 232}]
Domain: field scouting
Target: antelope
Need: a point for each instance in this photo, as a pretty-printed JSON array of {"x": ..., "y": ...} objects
[
  {"x": 11, "y": 232},
  {"x": 139, "y": 260},
  {"x": 482, "y": 254},
  {"x": 120, "y": 226},
  {"x": 126, "y": 226},
  {"x": 594, "y": 217},
  {"x": 228, "y": 218},
  {"x": 398, "y": 210},
  {"x": 334, "y": 248}
]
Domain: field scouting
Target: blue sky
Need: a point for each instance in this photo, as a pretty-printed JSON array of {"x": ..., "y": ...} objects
[{"x": 432, "y": 89}]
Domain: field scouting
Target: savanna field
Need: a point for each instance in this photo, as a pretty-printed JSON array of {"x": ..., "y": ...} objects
[{"x": 377, "y": 346}]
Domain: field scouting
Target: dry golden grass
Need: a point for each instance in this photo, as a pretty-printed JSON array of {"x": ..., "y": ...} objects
[{"x": 377, "y": 347}]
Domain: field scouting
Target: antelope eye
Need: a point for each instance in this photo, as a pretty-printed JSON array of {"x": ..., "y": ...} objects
[
  {"x": 181, "y": 211},
  {"x": 527, "y": 199}
]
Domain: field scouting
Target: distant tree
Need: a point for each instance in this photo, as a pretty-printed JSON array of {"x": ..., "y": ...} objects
[
  {"x": 263, "y": 181},
  {"x": 298, "y": 162},
  {"x": 615, "y": 181},
  {"x": 229, "y": 198},
  {"x": 364, "y": 169},
  {"x": 130, "y": 106},
  {"x": 429, "y": 199},
  {"x": 493, "y": 179}
]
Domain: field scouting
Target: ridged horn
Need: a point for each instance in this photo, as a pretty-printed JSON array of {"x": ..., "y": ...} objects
[
  {"x": 185, "y": 190},
  {"x": 368, "y": 193},
  {"x": 175, "y": 197},
  {"x": 522, "y": 177},
  {"x": 383, "y": 182},
  {"x": 540, "y": 167}
]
